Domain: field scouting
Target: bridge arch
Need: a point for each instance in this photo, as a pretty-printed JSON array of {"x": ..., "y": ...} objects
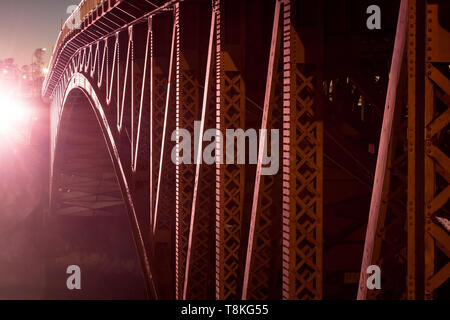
[{"x": 88, "y": 177}]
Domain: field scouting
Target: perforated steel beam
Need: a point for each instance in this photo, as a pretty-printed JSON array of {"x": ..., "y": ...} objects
[
  {"x": 230, "y": 179},
  {"x": 302, "y": 164}
]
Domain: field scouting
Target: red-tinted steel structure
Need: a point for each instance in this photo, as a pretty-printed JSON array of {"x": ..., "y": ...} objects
[{"x": 135, "y": 73}]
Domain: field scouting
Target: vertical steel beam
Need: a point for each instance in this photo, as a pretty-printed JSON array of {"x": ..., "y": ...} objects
[
  {"x": 230, "y": 179},
  {"x": 152, "y": 94},
  {"x": 415, "y": 215},
  {"x": 187, "y": 106},
  {"x": 180, "y": 194},
  {"x": 437, "y": 161},
  {"x": 302, "y": 166},
  {"x": 410, "y": 272}
]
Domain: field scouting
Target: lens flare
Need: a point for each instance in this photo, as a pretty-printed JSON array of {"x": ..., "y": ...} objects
[{"x": 12, "y": 114}]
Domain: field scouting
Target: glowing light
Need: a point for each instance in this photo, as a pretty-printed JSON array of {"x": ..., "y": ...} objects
[
  {"x": 12, "y": 114},
  {"x": 25, "y": 77},
  {"x": 5, "y": 71},
  {"x": 361, "y": 101}
]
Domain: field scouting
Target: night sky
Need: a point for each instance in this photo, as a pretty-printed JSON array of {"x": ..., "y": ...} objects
[{"x": 26, "y": 25}]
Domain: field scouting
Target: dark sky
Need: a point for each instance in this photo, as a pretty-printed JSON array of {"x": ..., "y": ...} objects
[{"x": 26, "y": 25}]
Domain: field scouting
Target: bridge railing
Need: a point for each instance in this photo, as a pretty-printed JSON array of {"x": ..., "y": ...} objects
[{"x": 84, "y": 10}]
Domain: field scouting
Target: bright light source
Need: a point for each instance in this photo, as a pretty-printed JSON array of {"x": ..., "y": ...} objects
[
  {"x": 25, "y": 77},
  {"x": 12, "y": 114},
  {"x": 45, "y": 70},
  {"x": 5, "y": 71}
]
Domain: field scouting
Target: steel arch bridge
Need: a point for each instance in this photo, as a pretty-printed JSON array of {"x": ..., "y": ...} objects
[{"x": 126, "y": 74}]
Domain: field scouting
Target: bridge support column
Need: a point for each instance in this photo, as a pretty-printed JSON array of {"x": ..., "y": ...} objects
[
  {"x": 302, "y": 152},
  {"x": 230, "y": 110},
  {"x": 437, "y": 160}
]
